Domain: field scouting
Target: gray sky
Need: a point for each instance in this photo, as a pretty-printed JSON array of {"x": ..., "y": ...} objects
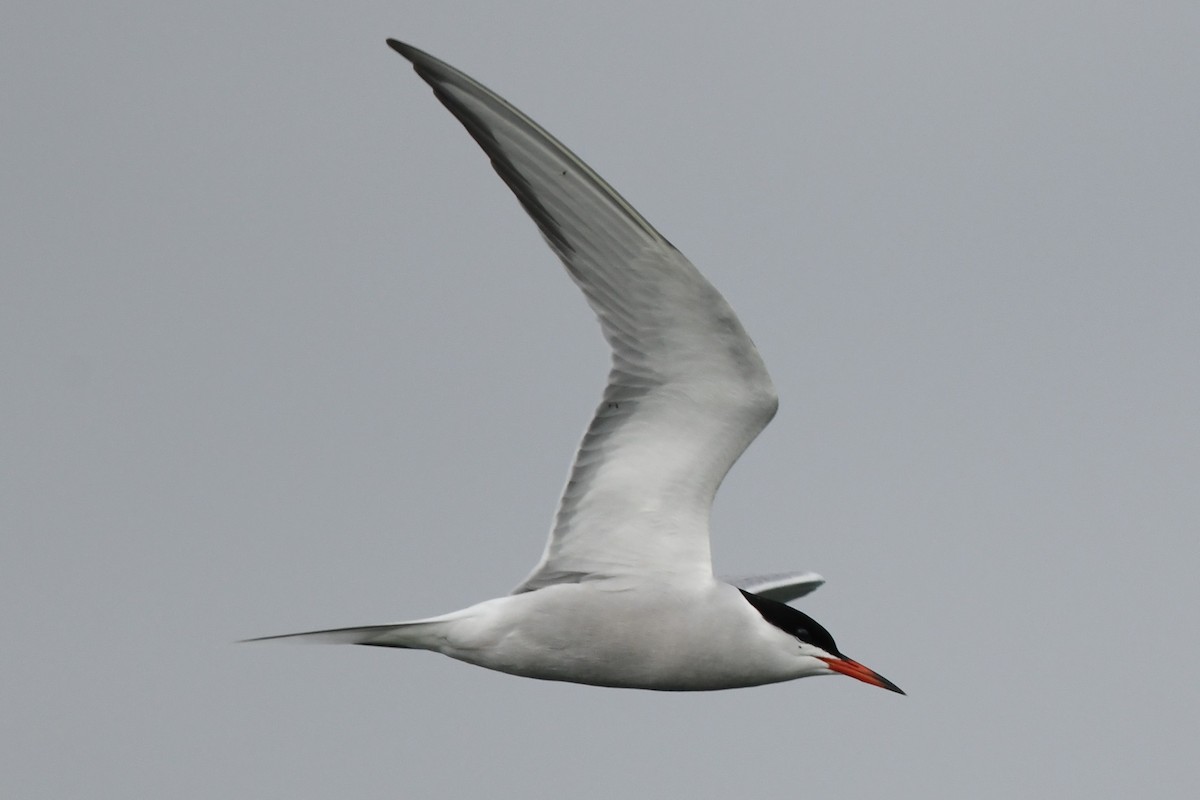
[{"x": 279, "y": 351}]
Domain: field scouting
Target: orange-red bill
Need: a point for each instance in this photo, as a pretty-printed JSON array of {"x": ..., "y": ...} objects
[{"x": 847, "y": 666}]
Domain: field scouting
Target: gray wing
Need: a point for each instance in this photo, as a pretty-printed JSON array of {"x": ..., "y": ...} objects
[
  {"x": 781, "y": 586},
  {"x": 687, "y": 392}
]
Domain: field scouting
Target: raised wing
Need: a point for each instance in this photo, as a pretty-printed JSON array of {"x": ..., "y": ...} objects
[
  {"x": 780, "y": 586},
  {"x": 687, "y": 392}
]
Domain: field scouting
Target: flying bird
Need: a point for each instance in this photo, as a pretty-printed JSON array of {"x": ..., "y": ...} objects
[{"x": 624, "y": 594}]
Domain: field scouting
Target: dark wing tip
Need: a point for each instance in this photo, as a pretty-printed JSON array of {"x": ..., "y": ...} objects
[
  {"x": 413, "y": 54},
  {"x": 416, "y": 55},
  {"x": 431, "y": 69}
]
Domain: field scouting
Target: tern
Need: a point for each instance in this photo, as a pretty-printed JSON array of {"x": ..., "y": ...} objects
[{"x": 624, "y": 594}]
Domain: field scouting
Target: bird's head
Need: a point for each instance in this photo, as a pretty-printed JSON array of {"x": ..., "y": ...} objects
[{"x": 816, "y": 645}]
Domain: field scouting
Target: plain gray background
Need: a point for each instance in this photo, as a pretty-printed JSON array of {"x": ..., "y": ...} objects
[{"x": 279, "y": 351}]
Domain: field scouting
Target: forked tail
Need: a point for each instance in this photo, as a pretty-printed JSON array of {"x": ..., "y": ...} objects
[{"x": 421, "y": 635}]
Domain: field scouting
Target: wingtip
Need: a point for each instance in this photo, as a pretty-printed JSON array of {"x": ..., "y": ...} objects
[
  {"x": 406, "y": 50},
  {"x": 256, "y": 639}
]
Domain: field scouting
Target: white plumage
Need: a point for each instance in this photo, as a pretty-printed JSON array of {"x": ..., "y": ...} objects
[{"x": 624, "y": 594}]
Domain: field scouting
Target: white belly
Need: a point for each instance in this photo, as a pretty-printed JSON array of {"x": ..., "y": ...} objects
[{"x": 627, "y": 635}]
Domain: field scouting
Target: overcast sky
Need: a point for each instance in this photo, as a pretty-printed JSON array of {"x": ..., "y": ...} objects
[{"x": 279, "y": 351}]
